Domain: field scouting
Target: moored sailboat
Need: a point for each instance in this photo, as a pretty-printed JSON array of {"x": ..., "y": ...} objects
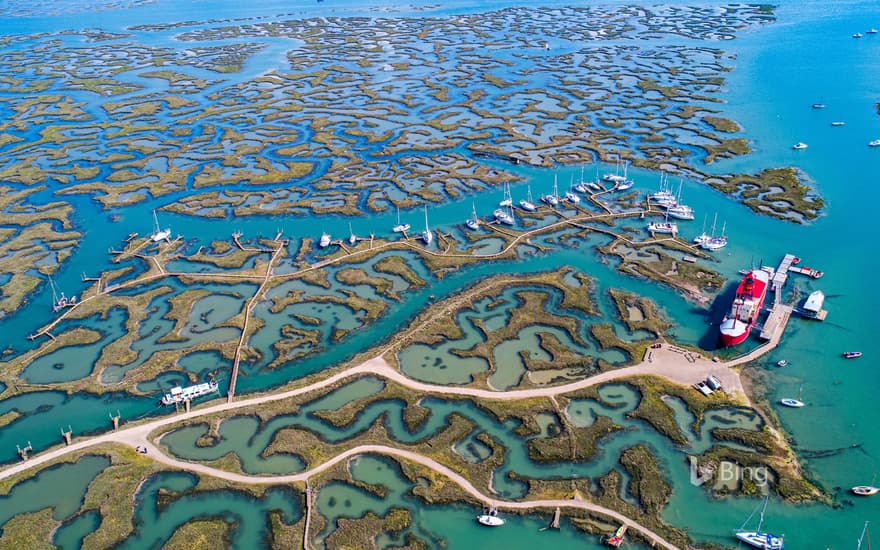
[
  {"x": 400, "y": 227},
  {"x": 757, "y": 538},
  {"x": 159, "y": 234},
  {"x": 552, "y": 200},
  {"x": 527, "y": 204},
  {"x": 473, "y": 222},
  {"x": 490, "y": 518},
  {"x": 427, "y": 234}
]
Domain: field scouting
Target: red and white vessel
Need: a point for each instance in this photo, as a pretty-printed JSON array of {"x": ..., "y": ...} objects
[{"x": 746, "y": 307}]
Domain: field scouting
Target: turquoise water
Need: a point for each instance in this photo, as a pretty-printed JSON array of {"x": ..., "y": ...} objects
[{"x": 806, "y": 56}]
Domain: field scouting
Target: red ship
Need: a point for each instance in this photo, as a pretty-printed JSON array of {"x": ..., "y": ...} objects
[{"x": 746, "y": 307}]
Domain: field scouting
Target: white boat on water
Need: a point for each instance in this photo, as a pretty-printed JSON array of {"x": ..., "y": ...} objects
[
  {"x": 624, "y": 183},
  {"x": 508, "y": 201},
  {"x": 799, "y": 145},
  {"x": 427, "y": 235},
  {"x": 581, "y": 186},
  {"x": 757, "y": 538},
  {"x": 504, "y": 216},
  {"x": 715, "y": 242},
  {"x": 866, "y": 490},
  {"x": 179, "y": 394},
  {"x": 490, "y": 518},
  {"x": 400, "y": 227},
  {"x": 615, "y": 177},
  {"x": 62, "y": 301},
  {"x": 324, "y": 241},
  {"x": 352, "y": 238},
  {"x": 857, "y": 35},
  {"x": 678, "y": 210},
  {"x": 795, "y": 403},
  {"x": 552, "y": 200},
  {"x": 838, "y": 123},
  {"x": 875, "y": 143},
  {"x": 159, "y": 234},
  {"x": 527, "y": 204},
  {"x": 473, "y": 222},
  {"x": 570, "y": 195},
  {"x": 663, "y": 227},
  {"x": 871, "y": 31}
]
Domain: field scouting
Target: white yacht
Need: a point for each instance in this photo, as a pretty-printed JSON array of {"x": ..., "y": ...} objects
[
  {"x": 473, "y": 222},
  {"x": 352, "y": 238},
  {"x": 527, "y": 204},
  {"x": 324, "y": 242},
  {"x": 875, "y": 143},
  {"x": 504, "y": 216},
  {"x": 581, "y": 186},
  {"x": 552, "y": 200},
  {"x": 490, "y": 518},
  {"x": 427, "y": 235},
  {"x": 400, "y": 227},
  {"x": 179, "y": 395},
  {"x": 799, "y": 145},
  {"x": 758, "y": 539},
  {"x": 570, "y": 195},
  {"x": 624, "y": 183},
  {"x": 159, "y": 234},
  {"x": 508, "y": 201}
]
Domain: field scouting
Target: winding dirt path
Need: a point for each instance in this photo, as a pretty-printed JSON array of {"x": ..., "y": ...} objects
[{"x": 675, "y": 364}]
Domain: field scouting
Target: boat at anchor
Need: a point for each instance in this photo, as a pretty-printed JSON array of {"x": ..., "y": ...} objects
[
  {"x": 746, "y": 307},
  {"x": 490, "y": 518},
  {"x": 757, "y": 538}
]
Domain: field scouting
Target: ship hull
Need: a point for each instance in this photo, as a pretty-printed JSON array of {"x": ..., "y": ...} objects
[{"x": 746, "y": 307}]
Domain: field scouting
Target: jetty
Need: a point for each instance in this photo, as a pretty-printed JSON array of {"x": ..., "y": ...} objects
[{"x": 780, "y": 313}]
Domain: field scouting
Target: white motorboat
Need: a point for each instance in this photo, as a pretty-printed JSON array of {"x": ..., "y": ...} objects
[
  {"x": 159, "y": 234},
  {"x": 866, "y": 490},
  {"x": 179, "y": 395},
  {"x": 400, "y": 227},
  {"x": 799, "y": 145},
  {"x": 324, "y": 241},
  {"x": 490, "y": 518},
  {"x": 789, "y": 402},
  {"x": 473, "y": 222},
  {"x": 663, "y": 227},
  {"x": 857, "y": 35},
  {"x": 838, "y": 123},
  {"x": 527, "y": 204},
  {"x": 875, "y": 143},
  {"x": 757, "y": 538},
  {"x": 427, "y": 235}
]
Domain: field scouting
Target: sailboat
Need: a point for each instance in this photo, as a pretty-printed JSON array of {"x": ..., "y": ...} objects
[
  {"x": 862, "y": 538},
  {"x": 400, "y": 227},
  {"x": 595, "y": 184},
  {"x": 552, "y": 200},
  {"x": 716, "y": 243},
  {"x": 159, "y": 234},
  {"x": 473, "y": 222},
  {"x": 528, "y": 205},
  {"x": 570, "y": 194},
  {"x": 678, "y": 210},
  {"x": 796, "y": 403},
  {"x": 324, "y": 242},
  {"x": 352, "y": 238},
  {"x": 664, "y": 197},
  {"x": 704, "y": 237},
  {"x": 615, "y": 177},
  {"x": 581, "y": 187},
  {"x": 427, "y": 235},
  {"x": 765, "y": 541},
  {"x": 508, "y": 201},
  {"x": 624, "y": 183},
  {"x": 866, "y": 490},
  {"x": 60, "y": 302},
  {"x": 504, "y": 216}
]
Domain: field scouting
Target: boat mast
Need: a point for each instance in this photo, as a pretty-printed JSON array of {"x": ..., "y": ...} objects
[
  {"x": 426, "y": 220},
  {"x": 155, "y": 222},
  {"x": 54, "y": 293},
  {"x": 861, "y": 538},
  {"x": 763, "y": 509}
]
